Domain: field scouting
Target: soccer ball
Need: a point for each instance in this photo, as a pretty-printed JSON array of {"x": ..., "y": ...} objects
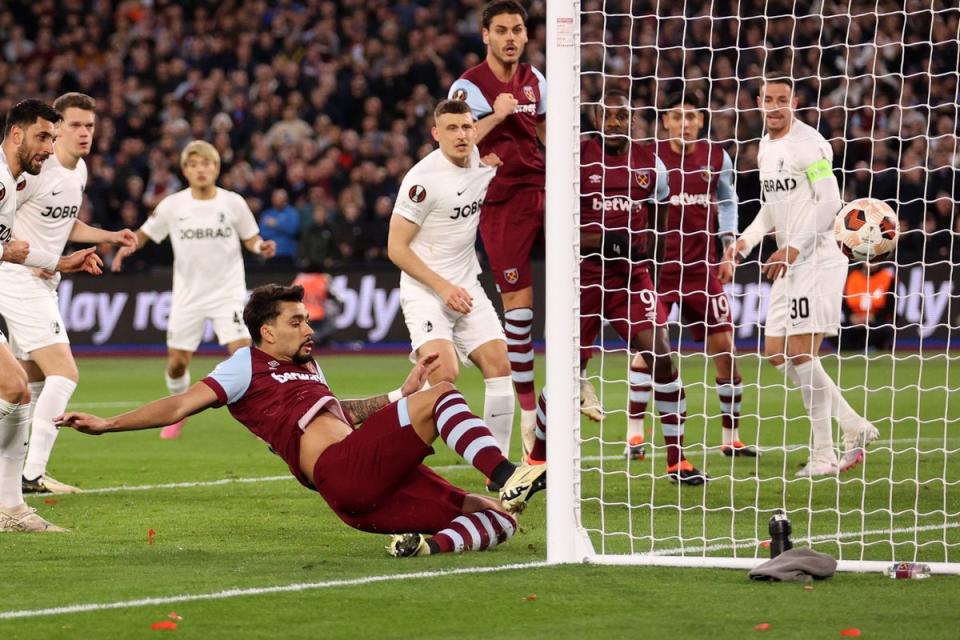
[{"x": 866, "y": 229}]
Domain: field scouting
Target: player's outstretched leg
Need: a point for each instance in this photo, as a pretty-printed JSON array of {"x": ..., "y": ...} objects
[
  {"x": 442, "y": 411},
  {"x": 641, "y": 385},
  {"x": 478, "y": 531}
]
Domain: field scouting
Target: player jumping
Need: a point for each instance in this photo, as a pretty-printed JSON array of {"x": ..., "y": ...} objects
[
  {"x": 372, "y": 476},
  {"x": 801, "y": 198}
]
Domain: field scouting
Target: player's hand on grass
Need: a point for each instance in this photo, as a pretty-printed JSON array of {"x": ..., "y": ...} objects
[
  {"x": 83, "y": 260},
  {"x": 419, "y": 374},
  {"x": 268, "y": 249},
  {"x": 504, "y": 105},
  {"x": 123, "y": 238},
  {"x": 777, "y": 264},
  {"x": 491, "y": 160},
  {"x": 456, "y": 298},
  {"x": 16, "y": 251},
  {"x": 82, "y": 422}
]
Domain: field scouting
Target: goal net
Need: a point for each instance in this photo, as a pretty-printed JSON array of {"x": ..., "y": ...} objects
[{"x": 878, "y": 80}]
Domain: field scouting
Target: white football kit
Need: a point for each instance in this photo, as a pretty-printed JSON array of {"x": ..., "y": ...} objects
[
  {"x": 444, "y": 200},
  {"x": 808, "y": 299},
  {"x": 47, "y": 207},
  {"x": 208, "y": 277}
]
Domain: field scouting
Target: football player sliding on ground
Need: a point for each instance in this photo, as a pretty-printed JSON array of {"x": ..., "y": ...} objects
[{"x": 364, "y": 457}]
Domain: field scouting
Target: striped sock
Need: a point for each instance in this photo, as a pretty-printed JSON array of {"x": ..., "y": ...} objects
[
  {"x": 477, "y": 531},
  {"x": 671, "y": 404},
  {"x": 467, "y": 434},
  {"x": 640, "y": 387},
  {"x": 539, "y": 451},
  {"x": 730, "y": 392},
  {"x": 517, "y": 326}
]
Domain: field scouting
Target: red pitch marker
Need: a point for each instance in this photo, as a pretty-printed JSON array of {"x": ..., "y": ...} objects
[
  {"x": 763, "y": 626},
  {"x": 164, "y": 625},
  {"x": 150, "y": 535},
  {"x": 50, "y": 501},
  {"x": 851, "y": 633}
]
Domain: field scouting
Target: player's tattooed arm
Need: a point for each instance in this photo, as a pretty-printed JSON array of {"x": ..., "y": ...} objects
[{"x": 359, "y": 410}]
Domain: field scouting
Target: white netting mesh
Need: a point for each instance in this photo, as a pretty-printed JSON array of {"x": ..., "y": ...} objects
[{"x": 879, "y": 80}]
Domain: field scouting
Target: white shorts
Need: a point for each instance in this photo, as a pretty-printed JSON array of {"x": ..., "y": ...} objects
[
  {"x": 428, "y": 318},
  {"x": 185, "y": 325},
  {"x": 32, "y": 314},
  {"x": 807, "y": 300}
]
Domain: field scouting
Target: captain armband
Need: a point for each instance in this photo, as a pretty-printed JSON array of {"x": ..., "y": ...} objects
[{"x": 819, "y": 170}]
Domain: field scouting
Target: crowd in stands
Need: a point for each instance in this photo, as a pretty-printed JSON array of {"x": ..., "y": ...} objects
[{"x": 319, "y": 107}]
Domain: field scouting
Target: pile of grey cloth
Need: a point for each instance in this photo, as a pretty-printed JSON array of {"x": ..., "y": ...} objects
[{"x": 797, "y": 565}]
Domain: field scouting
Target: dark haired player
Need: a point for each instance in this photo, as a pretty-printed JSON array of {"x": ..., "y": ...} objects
[
  {"x": 508, "y": 99},
  {"x": 28, "y": 137},
  {"x": 373, "y": 477},
  {"x": 801, "y": 197},
  {"x": 703, "y": 203},
  {"x": 620, "y": 183}
]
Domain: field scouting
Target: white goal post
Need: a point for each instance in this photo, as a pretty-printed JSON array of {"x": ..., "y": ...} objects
[{"x": 903, "y": 502}]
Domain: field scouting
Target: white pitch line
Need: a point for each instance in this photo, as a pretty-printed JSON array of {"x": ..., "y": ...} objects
[
  {"x": 827, "y": 537},
  {"x": 256, "y": 591}
]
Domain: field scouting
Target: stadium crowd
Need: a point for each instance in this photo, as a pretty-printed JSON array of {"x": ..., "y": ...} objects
[{"x": 318, "y": 108}]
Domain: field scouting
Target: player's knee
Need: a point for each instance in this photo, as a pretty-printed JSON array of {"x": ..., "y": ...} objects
[
  {"x": 421, "y": 404},
  {"x": 797, "y": 359},
  {"x": 445, "y": 373},
  {"x": 177, "y": 367}
]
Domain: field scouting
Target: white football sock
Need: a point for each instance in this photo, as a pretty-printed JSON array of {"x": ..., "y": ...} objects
[
  {"x": 176, "y": 386},
  {"x": 817, "y": 397},
  {"x": 14, "y": 430},
  {"x": 49, "y": 403},
  {"x": 499, "y": 403},
  {"x": 850, "y": 421}
]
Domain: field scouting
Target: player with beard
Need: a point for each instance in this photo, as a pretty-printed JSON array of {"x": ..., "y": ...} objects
[
  {"x": 28, "y": 137},
  {"x": 364, "y": 457},
  {"x": 47, "y": 208}
]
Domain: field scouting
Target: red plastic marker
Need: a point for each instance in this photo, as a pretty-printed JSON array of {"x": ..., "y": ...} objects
[
  {"x": 50, "y": 501},
  {"x": 765, "y": 544},
  {"x": 164, "y": 625},
  {"x": 763, "y": 626},
  {"x": 852, "y": 632},
  {"x": 150, "y": 535}
]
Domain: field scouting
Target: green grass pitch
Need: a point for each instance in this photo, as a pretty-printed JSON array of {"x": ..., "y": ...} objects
[{"x": 215, "y": 531}]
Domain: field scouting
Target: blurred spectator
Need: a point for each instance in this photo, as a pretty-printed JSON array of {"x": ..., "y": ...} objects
[
  {"x": 281, "y": 223},
  {"x": 318, "y": 248},
  {"x": 325, "y": 97},
  {"x": 868, "y": 304}
]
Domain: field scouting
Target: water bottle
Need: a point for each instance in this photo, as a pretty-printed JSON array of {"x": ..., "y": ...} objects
[
  {"x": 907, "y": 571},
  {"x": 780, "y": 531}
]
